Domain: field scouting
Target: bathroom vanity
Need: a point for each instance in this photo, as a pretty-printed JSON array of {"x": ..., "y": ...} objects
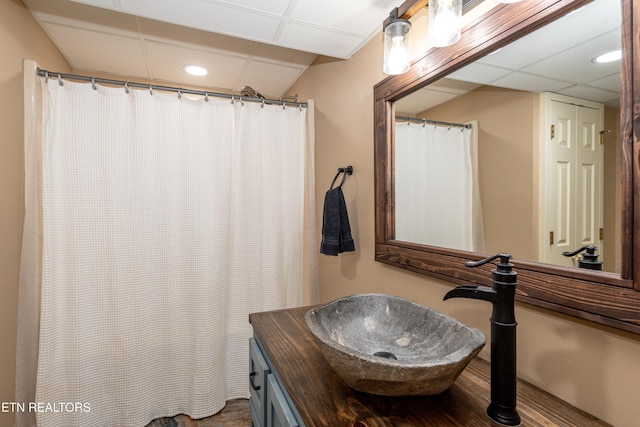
[{"x": 292, "y": 385}]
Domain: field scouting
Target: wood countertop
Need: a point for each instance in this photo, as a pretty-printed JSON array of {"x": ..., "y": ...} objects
[{"x": 322, "y": 399}]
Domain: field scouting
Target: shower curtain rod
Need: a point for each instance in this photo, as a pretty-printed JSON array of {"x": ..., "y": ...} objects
[
  {"x": 152, "y": 87},
  {"x": 433, "y": 122}
]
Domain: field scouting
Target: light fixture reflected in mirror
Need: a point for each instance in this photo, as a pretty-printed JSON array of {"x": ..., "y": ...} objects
[
  {"x": 397, "y": 44},
  {"x": 445, "y": 22}
]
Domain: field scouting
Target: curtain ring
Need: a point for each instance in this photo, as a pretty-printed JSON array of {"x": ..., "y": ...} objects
[
  {"x": 262, "y": 105},
  {"x": 233, "y": 98},
  {"x": 179, "y": 93},
  {"x": 450, "y": 124},
  {"x": 126, "y": 87},
  {"x": 241, "y": 101},
  {"x": 150, "y": 89},
  {"x": 93, "y": 83},
  {"x": 206, "y": 97},
  {"x": 60, "y": 82},
  {"x": 424, "y": 122},
  {"x": 284, "y": 104},
  {"x": 46, "y": 76}
]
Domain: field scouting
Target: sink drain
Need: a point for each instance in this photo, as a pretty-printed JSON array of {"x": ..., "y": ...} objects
[{"x": 386, "y": 355}]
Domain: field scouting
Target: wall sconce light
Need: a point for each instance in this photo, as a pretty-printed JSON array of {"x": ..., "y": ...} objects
[
  {"x": 445, "y": 22},
  {"x": 397, "y": 44}
]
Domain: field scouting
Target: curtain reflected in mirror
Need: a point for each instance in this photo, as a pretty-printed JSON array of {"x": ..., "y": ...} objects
[
  {"x": 437, "y": 197},
  {"x": 537, "y": 200}
]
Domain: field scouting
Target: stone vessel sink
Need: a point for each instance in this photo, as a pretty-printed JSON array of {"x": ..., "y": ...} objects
[{"x": 390, "y": 346}]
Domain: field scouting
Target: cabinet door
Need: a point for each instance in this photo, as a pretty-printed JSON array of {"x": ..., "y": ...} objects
[
  {"x": 254, "y": 418},
  {"x": 258, "y": 371},
  {"x": 278, "y": 412}
]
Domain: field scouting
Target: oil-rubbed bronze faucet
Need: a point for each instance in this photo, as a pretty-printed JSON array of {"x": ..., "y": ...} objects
[
  {"x": 589, "y": 259},
  {"x": 503, "y": 335}
]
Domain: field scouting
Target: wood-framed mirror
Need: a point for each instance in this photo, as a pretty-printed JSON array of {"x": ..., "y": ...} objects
[{"x": 608, "y": 298}]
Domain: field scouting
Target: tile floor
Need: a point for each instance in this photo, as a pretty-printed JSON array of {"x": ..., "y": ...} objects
[{"x": 235, "y": 414}]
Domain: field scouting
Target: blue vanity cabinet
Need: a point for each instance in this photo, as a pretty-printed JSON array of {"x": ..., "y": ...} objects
[
  {"x": 269, "y": 405},
  {"x": 258, "y": 371},
  {"x": 279, "y": 413}
]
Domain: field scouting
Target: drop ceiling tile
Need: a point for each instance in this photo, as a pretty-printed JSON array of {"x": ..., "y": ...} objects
[
  {"x": 611, "y": 83},
  {"x": 192, "y": 38},
  {"x": 531, "y": 83},
  {"x": 576, "y": 65},
  {"x": 339, "y": 14},
  {"x": 312, "y": 39},
  {"x": 270, "y": 53},
  {"x": 215, "y": 17},
  {"x": 166, "y": 62},
  {"x": 453, "y": 86},
  {"x": 421, "y": 101},
  {"x": 271, "y": 80},
  {"x": 278, "y": 7},
  {"x": 479, "y": 73},
  {"x": 569, "y": 31},
  {"x": 107, "y": 4},
  {"x": 82, "y": 16},
  {"x": 590, "y": 93},
  {"x": 99, "y": 51},
  {"x": 606, "y": 13}
]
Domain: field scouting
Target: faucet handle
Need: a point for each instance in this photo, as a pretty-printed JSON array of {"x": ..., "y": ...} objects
[
  {"x": 591, "y": 250},
  {"x": 504, "y": 274},
  {"x": 504, "y": 261},
  {"x": 589, "y": 258}
]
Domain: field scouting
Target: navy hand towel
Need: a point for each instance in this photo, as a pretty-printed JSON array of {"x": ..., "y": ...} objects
[{"x": 336, "y": 231}]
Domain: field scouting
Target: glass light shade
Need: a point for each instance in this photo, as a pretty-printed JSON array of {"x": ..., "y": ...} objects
[
  {"x": 397, "y": 46},
  {"x": 445, "y": 22}
]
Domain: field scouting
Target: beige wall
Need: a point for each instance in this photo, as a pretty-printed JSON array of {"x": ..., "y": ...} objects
[
  {"x": 20, "y": 37},
  {"x": 592, "y": 367}
]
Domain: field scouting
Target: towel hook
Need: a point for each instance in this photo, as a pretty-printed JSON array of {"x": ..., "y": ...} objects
[{"x": 345, "y": 171}]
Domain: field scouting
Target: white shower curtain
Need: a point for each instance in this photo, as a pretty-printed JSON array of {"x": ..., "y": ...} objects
[
  {"x": 437, "y": 198},
  {"x": 165, "y": 222}
]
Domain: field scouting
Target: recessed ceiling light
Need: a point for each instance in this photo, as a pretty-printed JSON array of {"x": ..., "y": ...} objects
[
  {"x": 195, "y": 70},
  {"x": 614, "y": 55}
]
